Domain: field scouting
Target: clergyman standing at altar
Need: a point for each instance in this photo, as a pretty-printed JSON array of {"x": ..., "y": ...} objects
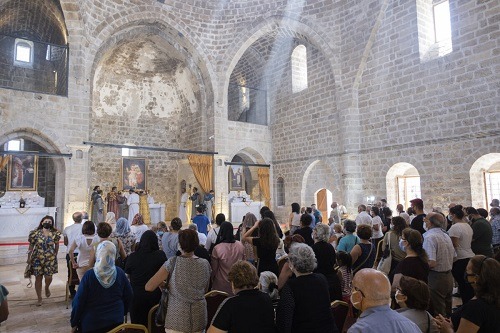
[
  {"x": 182, "y": 206},
  {"x": 133, "y": 205},
  {"x": 113, "y": 201}
]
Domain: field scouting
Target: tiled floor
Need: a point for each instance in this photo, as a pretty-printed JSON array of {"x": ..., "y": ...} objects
[{"x": 24, "y": 315}]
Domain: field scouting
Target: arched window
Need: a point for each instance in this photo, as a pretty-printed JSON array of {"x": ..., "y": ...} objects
[
  {"x": 299, "y": 69},
  {"x": 23, "y": 53},
  {"x": 485, "y": 180},
  {"x": 280, "y": 192},
  {"x": 403, "y": 184}
]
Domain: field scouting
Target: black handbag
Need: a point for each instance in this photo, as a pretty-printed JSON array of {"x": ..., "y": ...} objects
[{"x": 161, "y": 313}]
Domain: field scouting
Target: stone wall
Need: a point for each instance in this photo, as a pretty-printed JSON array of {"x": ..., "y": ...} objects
[{"x": 371, "y": 101}]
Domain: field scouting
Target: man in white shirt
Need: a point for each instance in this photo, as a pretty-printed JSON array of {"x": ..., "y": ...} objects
[
  {"x": 214, "y": 232},
  {"x": 334, "y": 214},
  {"x": 133, "y": 205},
  {"x": 401, "y": 212},
  {"x": 201, "y": 236},
  {"x": 70, "y": 233},
  {"x": 363, "y": 217}
]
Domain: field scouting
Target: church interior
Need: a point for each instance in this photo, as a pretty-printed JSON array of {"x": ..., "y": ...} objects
[{"x": 266, "y": 102}]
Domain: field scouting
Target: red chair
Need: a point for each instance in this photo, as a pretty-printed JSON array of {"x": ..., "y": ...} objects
[
  {"x": 214, "y": 298},
  {"x": 339, "y": 311}
]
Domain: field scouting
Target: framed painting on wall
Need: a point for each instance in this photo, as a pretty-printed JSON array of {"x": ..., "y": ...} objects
[
  {"x": 236, "y": 178},
  {"x": 22, "y": 173},
  {"x": 133, "y": 173}
]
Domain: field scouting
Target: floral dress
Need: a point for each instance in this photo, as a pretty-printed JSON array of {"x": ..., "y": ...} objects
[{"x": 44, "y": 256}]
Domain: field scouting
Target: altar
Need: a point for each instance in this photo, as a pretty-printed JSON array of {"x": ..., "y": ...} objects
[
  {"x": 156, "y": 212},
  {"x": 240, "y": 209},
  {"x": 18, "y": 222}
]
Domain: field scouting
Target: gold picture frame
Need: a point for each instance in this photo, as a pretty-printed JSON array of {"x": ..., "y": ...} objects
[
  {"x": 134, "y": 173},
  {"x": 22, "y": 173}
]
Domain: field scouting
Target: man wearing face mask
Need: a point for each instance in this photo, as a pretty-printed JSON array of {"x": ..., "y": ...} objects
[
  {"x": 371, "y": 293},
  {"x": 439, "y": 248}
]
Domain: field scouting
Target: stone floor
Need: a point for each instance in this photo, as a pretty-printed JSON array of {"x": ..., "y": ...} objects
[{"x": 24, "y": 315}]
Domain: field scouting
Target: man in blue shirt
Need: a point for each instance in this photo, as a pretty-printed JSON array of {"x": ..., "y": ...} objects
[
  {"x": 201, "y": 220},
  {"x": 371, "y": 293}
]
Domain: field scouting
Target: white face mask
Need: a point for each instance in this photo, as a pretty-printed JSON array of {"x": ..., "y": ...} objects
[
  {"x": 356, "y": 305},
  {"x": 425, "y": 227}
]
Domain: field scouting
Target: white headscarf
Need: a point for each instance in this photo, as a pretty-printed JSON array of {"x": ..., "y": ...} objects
[
  {"x": 111, "y": 219},
  {"x": 104, "y": 268}
]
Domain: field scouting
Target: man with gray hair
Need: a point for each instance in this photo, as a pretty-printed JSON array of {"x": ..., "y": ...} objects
[
  {"x": 371, "y": 293},
  {"x": 439, "y": 248},
  {"x": 201, "y": 236}
]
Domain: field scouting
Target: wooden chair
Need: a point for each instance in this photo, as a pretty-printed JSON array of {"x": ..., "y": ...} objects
[
  {"x": 339, "y": 311},
  {"x": 72, "y": 281},
  {"x": 378, "y": 255},
  {"x": 214, "y": 298},
  {"x": 129, "y": 328},
  {"x": 152, "y": 328}
]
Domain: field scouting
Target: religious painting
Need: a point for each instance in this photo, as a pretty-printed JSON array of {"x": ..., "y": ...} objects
[
  {"x": 134, "y": 173},
  {"x": 22, "y": 173},
  {"x": 236, "y": 178}
]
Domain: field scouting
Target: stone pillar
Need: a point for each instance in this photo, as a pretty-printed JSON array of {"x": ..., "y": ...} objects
[{"x": 77, "y": 182}]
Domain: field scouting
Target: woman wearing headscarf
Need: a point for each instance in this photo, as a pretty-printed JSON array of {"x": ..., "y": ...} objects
[
  {"x": 226, "y": 253},
  {"x": 141, "y": 266},
  {"x": 138, "y": 227},
  {"x": 104, "y": 294},
  {"x": 111, "y": 220},
  {"x": 125, "y": 235}
]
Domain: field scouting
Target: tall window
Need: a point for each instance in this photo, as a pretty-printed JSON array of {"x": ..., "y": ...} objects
[
  {"x": 434, "y": 28},
  {"x": 408, "y": 189},
  {"x": 492, "y": 184},
  {"x": 299, "y": 69},
  {"x": 280, "y": 192},
  {"x": 23, "y": 53}
]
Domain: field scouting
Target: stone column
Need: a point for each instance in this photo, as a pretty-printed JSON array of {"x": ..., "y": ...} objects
[{"x": 77, "y": 182}]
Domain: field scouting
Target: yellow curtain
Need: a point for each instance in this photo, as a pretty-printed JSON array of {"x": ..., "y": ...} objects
[
  {"x": 3, "y": 161},
  {"x": 263, "y": 174},
  {"x": 202, "y": 166}
]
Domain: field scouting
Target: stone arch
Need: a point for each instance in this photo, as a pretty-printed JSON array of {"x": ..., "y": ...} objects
[
  {"x": 391, "y": 180},
  {"x": 323, "y": 177},
  {"x": 249, "y": 155},
  {"x": 477, "y": 181},
  {"x": 60, "y": 163}
]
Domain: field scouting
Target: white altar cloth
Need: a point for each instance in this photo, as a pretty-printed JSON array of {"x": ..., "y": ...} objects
[
  {"x": 157, "y": 213},
  {"x": 240, "y": 209},
  {"x": 18, "y": 222}
]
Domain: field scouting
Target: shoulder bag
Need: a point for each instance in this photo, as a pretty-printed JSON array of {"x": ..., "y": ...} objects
[
  {"x": 384, "y": 265},
  {"x": 355, "y": 270},
  {"x": 161, "y": 313}
]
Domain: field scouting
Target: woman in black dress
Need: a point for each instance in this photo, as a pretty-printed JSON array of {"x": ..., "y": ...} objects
[
  {"x": 266, "y": 245},
  {"x": 141, "y": 266}
]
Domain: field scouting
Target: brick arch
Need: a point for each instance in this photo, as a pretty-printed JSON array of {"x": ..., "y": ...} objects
[
  {"x": 263, "y": 27},
  {"x": 46, "y": 140},
  {"x": 328, "y": 181}
]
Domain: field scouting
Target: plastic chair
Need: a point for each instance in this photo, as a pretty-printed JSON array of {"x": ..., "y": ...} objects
[
  {"x": 129, "y": 328},
  {"x": 72, "y": 281},
  {"x": 214, "y": 298},
  {"x": 339, "y": 311},
  {"x": 152, "y": 328}
]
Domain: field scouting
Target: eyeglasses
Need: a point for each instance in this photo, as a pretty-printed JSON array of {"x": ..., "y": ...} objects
[{"x": 356, "y": 289}]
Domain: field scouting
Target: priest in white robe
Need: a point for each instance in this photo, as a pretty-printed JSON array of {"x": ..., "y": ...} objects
[
  {"x": 133, "y": 205},
  {"x": 182, "y": 206}
]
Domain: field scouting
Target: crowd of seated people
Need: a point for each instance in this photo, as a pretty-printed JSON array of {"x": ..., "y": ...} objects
[{"x": 293, "y": 291}]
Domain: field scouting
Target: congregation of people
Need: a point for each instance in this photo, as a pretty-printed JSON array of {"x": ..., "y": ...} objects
[{"x": 394, "y": 272}]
